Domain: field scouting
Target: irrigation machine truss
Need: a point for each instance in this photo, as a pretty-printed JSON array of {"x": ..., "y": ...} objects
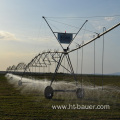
[{"x": 46, "y": 58}]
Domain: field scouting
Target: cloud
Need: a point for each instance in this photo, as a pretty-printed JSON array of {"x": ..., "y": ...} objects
[
  {"x": 109, "y": 18},
  {"x": 7, "y": 36}
]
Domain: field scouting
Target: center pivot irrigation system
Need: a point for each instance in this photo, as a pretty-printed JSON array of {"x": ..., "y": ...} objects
[{"x": 46, "y": 58}]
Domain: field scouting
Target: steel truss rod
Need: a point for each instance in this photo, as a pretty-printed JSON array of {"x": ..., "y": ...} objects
[
  {"x": 52, "y": 31},
  {"x": 54, "y": 57},
  {"x": 98, "y": 36},
  {"x": 44, "y": 59},
  {"x": 20, "y": 66},
  {"x": 37, "y": 60},
  {"x": 57, "y": 61},
  {"x": 57, "y": 68},
  {"x": 71, "y": 68},
  {"x": 28, "y": 66},
  {"x": 58, "y": 32},
  {"x": 9, "y": 69},
  {"x": 54, "y": 52},
  {"x": 77, "y": 32},
  {"x": 59, "y": 64},
  {"x": 13, "y": 67}
]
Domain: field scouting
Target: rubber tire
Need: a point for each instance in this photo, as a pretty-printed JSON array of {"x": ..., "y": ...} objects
[
  {"x": 48, "y": 92},
  {"x": 19, "y": 83},
  {"x": 11, "y": 78},
  {"x": 80, "y": 93}
]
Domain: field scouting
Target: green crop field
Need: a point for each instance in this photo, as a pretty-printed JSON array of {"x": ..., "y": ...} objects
[{"x": 31, "y": 105}]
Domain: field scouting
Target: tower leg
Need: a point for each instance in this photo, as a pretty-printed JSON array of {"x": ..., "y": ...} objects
[
  {"x": 71, "y": 68},
  {"x": 57, "y": 68},
  {"x": 49, "y": 92}
]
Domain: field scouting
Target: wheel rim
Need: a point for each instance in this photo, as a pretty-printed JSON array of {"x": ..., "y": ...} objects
[{"x": 48, "y": 92}]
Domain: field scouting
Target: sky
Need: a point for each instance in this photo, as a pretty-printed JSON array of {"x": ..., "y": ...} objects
[{"x": 24, "y": 33}]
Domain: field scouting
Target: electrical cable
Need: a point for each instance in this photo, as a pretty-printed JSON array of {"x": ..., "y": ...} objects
[
  {"x": 94, "y": 64},
  {"x": 71, "y": 26},
  {"x": 85, "y": 17},
  {"x": 77, "y": 63},
  {"x": 104, "y": 29},
  {"x": 82, "y": 67}
]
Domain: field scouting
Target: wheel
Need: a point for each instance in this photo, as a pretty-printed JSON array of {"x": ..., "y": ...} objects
[
  {"x": 80, "y": 93},
  {"x": 11, "y": 78},
  {"x": 20, "y": 83},
  {"x": 48, "y": 92}
]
